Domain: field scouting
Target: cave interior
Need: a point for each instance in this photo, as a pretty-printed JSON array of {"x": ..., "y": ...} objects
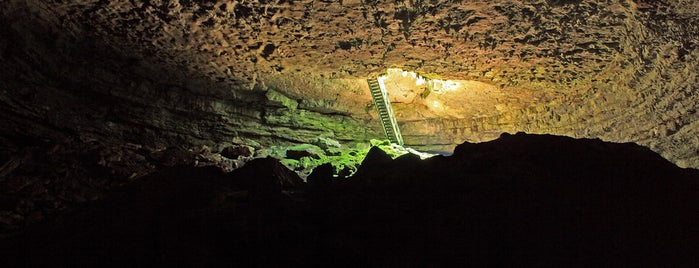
[{"x": 548, "y": 133}]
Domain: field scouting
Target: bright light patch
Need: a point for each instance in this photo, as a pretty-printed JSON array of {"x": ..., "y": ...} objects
[
  {"x": 435, "y": 85},
  {"x": 420, "y": 81},
  {"x": 395, "y": 150},
  {"x": 442, "y": 86},
  {"x": 422, "y": 155},
  {"x": 429, "y": 95}
]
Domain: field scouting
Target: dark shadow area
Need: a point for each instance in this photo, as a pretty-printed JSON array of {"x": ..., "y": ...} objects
[
  {"x": 518, "y": 201},
  {"x": 77, "y": 81}
]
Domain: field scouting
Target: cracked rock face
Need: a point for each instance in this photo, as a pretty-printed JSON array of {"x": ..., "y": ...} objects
[{"x": 160, "y": 73}]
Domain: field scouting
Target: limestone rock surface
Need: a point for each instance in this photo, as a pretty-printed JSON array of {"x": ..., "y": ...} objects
[{"x": 159, "y": 73}]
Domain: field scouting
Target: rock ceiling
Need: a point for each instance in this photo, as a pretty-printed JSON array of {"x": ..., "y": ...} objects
[{"x": 159, "y": 73}]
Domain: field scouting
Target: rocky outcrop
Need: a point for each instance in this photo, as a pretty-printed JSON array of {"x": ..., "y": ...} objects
[{"x": 265, "y": 178}]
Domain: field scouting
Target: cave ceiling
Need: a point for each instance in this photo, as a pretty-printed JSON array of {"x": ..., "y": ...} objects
[{"x": 160, "y": 72}]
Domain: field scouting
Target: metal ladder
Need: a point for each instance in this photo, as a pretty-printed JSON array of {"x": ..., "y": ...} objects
[{"x": 383, "y": 106}]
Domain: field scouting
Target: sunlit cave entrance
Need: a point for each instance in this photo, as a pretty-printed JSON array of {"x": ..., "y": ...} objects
[
  {"x": 435, "y": 114},
  {"x": 422, "y": 113},
  {"x": 423, "y": 96}
]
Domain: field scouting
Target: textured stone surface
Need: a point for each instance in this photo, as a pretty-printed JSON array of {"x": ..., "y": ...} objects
[{"x": 158, "y": 73}]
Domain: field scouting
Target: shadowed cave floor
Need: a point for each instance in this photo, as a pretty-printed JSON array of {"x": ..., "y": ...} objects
[{"x": 521, "y": 200}]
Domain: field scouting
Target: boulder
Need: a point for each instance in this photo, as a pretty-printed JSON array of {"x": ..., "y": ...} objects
[
  {"x": 235, "y": 151},
  {"x": 304, "y": 150},
  {"x": 373, "y": 166},
  {"x": 327, "y": 143},
  {"x": 173, "y": 156},
  {"x": 265, "y": 178}
]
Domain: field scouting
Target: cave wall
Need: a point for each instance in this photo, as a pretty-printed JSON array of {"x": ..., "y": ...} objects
[
  {"x": 65, "y": 77},
  {"x": 163, "y": 73}
]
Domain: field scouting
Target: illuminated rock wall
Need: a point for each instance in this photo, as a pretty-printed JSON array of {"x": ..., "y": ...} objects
[{"x": 210, "y": 72}]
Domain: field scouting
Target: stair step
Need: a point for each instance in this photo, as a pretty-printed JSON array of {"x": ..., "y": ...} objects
[{"x": 383, "y": 107}]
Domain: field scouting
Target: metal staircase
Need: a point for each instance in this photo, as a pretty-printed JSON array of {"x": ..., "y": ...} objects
[{"x": 383, "y": 106}]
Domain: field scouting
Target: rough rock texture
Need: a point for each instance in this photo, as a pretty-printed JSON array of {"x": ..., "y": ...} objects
[
  {"x": 41, "y": 180},
  {"x": 158, "y": 73},
  {"x": 519, "y": 201}
]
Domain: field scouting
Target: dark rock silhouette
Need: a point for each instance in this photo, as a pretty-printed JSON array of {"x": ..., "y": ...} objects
[
  {"x": 521, "y": 200},
  {"x": 374, "y": 163},
  {"x": 320, "y": 178},
  {"x": 266, "y": 178}
]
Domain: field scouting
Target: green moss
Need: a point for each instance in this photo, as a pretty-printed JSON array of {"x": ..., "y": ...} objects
[
  {"x": 341, "y": 158},
  {"x": 379, "y": 142},
  {"x": 290, "y": 163},
  {"x": 343, "y": 127},
  {"x": 306, "y": 147},
  {"x": 279, "y": 99},
  {"x": 392, "y": 149}
]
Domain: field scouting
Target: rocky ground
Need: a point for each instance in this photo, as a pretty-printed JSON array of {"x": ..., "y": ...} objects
[
  {"x": 520, "y": 200},
  {"x": 42, "y": 179}
]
